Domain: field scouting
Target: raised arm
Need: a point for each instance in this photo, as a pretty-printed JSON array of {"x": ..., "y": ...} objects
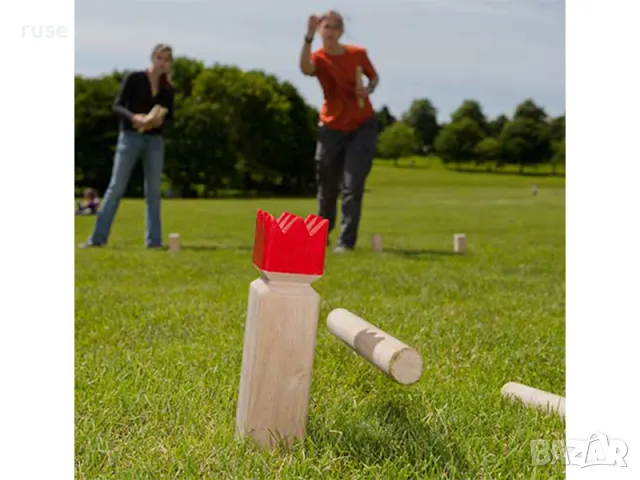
[
  {"x": 306, "y": 65},
  {"x": 119, "y": 104}
]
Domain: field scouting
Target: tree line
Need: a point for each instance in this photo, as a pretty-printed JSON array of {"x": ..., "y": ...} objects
[
  {"x": 529, "y": 138},
  {"x": 250, "y": 133}
]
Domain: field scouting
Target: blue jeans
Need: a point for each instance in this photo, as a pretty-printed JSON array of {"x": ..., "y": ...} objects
[{"x": 130, "y": 146}]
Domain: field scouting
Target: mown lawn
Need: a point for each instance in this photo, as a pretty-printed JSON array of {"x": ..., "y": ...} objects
[{"x": 159, "y": 336}]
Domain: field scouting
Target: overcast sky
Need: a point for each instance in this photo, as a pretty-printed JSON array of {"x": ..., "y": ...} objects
[{"x": 496, "y": 51}]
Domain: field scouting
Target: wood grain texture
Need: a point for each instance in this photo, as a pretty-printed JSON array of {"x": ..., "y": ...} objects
[{"x": 277, "y": 363}]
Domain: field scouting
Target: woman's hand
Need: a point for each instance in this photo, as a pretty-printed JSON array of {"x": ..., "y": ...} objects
[
  {"x": 156, "y": 121},
  {"x": 313, "y": 24},
  {"x": 139, "y": 120}
]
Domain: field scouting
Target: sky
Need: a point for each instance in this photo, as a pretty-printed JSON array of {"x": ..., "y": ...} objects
[{"x": 498, "y": 52}]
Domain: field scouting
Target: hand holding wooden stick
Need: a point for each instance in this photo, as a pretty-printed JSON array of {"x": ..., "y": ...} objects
[{"x": 157, "y": 112}]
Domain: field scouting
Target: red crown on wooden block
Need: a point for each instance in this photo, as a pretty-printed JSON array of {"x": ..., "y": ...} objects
[{"x": 290, "y": 244}]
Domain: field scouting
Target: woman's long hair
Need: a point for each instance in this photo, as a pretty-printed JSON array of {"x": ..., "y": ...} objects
[{"x": 165, "y": 79}]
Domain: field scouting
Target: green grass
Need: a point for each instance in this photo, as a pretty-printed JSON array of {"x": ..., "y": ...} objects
[{"x": 159, "y": 337}]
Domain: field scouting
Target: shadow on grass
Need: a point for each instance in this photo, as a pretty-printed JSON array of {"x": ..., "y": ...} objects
[
  {"x": 246, "y": 195},
  {"x": 412, "y": 167},
  {"x": 215, "y": 248},
  {"x": 396, "y": 431},
  {"x": 191, "y": 248},
  {"x": 422, "y": 253},
  {"x": 514, "y": 173}
]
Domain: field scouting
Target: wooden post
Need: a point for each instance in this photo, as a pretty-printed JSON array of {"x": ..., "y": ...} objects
[
  {"x": 359, "y": 84},
  {"x": 459, "y": 243},
  {"x": 280, "y": 331},
  {"x": 401, "y": 362},
  {"x": 174, "y": 242},
  {"x": 376, "y": 243},
  {"x": 532, "y": 397}
]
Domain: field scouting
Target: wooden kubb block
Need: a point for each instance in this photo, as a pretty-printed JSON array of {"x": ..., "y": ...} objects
[
  {"x": 174, "y": 242},
  {"x": 281, "y": 327},
  {"x": 459, "y": 243},
  {"x": 376, "y": 243}
]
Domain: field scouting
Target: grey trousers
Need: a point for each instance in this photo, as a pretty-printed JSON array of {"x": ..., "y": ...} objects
[{"x": 343, "y": 163}]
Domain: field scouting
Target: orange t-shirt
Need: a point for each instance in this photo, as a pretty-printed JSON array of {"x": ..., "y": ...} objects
[{"x": 337, "y": 76}]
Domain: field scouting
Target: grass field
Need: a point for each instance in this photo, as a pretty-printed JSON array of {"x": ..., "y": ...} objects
[{"x": 159, "y": 337}]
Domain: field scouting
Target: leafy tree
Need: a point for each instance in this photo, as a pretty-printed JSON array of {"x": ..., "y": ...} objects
[
  {"x": 96, "y": 130},
  {"x": 525, "y": 142},
  {"x": 298, "y": 168},
  {"x": 495, "y": 126},
  {"x": 487, "y": 151},
  {"x": 422, "y": 117},
  {"x": 558, "y": 128},
  {"x": 398, "y": 140},
  {"x": 199, "y": 150},
  {"x": 456, "y": 143},
  {"x": 385, "y": 118},
  {"x": 185, "y": 71},
  {"x": 558, "y": 155},
  {"x": 258, "y": 122},
  {"x": 529, "y": 109},
  {"x": 473, "y": 110}
]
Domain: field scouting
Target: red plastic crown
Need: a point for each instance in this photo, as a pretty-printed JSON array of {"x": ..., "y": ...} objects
[{"x": 291, "y": 244}]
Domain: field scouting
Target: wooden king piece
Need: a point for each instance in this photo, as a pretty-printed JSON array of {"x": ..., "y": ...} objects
[
  {"x": 359, "y": 84},
  {"x": 281, "y": 327}
]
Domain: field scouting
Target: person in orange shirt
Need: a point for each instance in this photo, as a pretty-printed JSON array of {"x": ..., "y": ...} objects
[{"x": 348, "y": 130}]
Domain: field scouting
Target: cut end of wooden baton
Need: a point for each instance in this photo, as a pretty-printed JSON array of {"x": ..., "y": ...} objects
[
  {"x": 406, "y": 367},
  {"x": 396, "y": 359}
]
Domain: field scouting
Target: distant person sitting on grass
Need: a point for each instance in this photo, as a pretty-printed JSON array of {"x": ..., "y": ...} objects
[{"x": 90, "y": 204}]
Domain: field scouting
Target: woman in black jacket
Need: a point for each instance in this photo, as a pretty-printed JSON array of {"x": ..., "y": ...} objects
[{"x": 140, "y": 133}]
